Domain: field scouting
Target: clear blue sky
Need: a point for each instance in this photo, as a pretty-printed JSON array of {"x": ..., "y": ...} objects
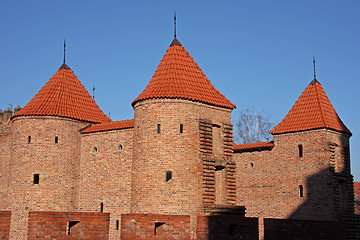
[{"x": 257, "y": 53}]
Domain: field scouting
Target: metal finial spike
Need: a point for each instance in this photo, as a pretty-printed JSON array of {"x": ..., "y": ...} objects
[
  {"x": 314, "y": 67},
  {"x": 93, "y": 92},
  {"x": 175, "y": 24},
  {"x": 64, "y": 49}
]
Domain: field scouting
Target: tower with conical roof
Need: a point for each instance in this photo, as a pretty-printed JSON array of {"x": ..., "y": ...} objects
[
  {"x": 45, "y": 150},
  {"x": 314, "y": 140},
  {"x": 182, "y": 141}
]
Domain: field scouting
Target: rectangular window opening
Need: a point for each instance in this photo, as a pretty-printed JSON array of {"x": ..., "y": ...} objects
[
  {"x": 157, "y": 225},
  {"x": 168, "y": 176},
  {"x": 56, "y": 139},
  {"x": 29, "y": 139},
  {"x": 117, "y": 224},
  {"x": 159, "y": 128},
  {"x": 300, "y": 150},
  {"x": 181, "y": 128},
  {"x": 101, "y": 207},
  {"x": 301, "y": 190},
  {"x": 232, "y": 228},
  {"x": 70, "y": 224},
  {"x": 36, "y": 179}
]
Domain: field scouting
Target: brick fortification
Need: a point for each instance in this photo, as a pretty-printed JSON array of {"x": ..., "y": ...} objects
[{"x": 173, "y": 172}]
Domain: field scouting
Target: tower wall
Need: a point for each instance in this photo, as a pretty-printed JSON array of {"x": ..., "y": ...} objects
[
  {"x": 158, "y": 151},
  {"x": 34, "y": 151},
  {"x": 105, "y": 176},
  {"x": 5, "y": 146}
]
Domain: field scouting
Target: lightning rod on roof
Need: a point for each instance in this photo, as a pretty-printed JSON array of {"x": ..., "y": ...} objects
[
  {"x": 314, "y": 67},
  {"x": 175, "y": 24},
  {"x": 64, "y": 49}
]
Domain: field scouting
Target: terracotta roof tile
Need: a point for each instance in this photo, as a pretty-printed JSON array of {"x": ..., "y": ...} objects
[
  {"x": 249, "y": 147},
  {"x": 64, "y": 96},
  {"x": 102, "y": 127},
  {"x": 357, "y": 189},
  {"x": 179, "y": 76},
  {"x": 313, "y": 110}
]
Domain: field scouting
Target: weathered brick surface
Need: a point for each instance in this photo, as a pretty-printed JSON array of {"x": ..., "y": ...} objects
[
  {"x": 5, "y": 218},
  {"x": 286, "y": 229},
  {"x": 5, "y": 145},
  {"x": 155, "y": 153},
  {"x": 227, "y": 227},
  {"x": 55, "y": 225},
  {"x": 105, "y": 175},
  {"x": 56, "y": 163},
  {"x": 155, "y": 226}
]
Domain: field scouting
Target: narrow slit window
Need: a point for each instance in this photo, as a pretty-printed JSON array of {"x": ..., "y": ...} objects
[
  {"x": 56, "y": 139},
  {"x": 117, "y": 224},
  {"x": 70, "y": 224},
  {"x": 29, "y": 139},
  {"x": 181, "y": 128},
  {"x": 101, "y": 207},
  {"x": 156, "y": 227},
  {"x": 301, "y": 190},
  {"x": 300, "y": 150},
  {"x": 36, "y": 179},
  {"x": 168, "y": 175},
  {"x": 159, "y": 128}
]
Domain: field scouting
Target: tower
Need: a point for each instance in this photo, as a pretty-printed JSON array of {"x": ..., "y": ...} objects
[
  {"x": 182, "y": 137},
  {"x": 45, "y": 150},
  {"x": 316, "y": 143}
]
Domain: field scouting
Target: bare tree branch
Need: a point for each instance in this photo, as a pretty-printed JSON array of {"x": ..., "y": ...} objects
[{"x": 252, "y": 127}]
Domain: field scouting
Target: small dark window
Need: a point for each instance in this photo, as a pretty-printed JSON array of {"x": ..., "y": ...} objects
[
  {"x": 95, "y": 149},
  {"x": 159, "y": 128},
  {"x": 157, "y": 225},
  {"x": 56, "y": 139},
  {"x": 300, "y": 150},
  {"x": 117, "y": 224},
  {"x": 168, "y": 175},
  {"x": 36, "y": 179},
  {"x": 120, "y": 147},
  {"x": 29, "y": 139},
  {"x": 101, "y": 207},
  {"x": 70, "y": 225},
  {"x": 181, "y": 128},
  {"x": 232, "y": 228},
  {"x": 301, "y": 190}
]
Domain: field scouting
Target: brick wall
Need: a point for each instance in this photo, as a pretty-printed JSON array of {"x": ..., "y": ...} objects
[
  {"x": 156, "y": 153},
  {"x": 57, "y": 165},
  {"x": 5, "y": 145},
  {"x": 269, "y": 181},
  {"x": 55, "y": 225},
  {"x": 226, "y": 227},
  {"x": 105, "y": 175},
  {"x": 5, "y": 218},
  {"x": 280, "y": 229},
  {"x": 155, "y": 226}
]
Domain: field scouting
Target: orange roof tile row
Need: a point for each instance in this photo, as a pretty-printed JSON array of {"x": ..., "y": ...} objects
[
  {"x": 64, "y": 96},
  {"x": 102, "y": 127},
  {"x": 357, "y": 189},
  {"x": 313, "y": 110},
  {"x": 179, "y": 76},
  {"x": 249, "y": 147}
]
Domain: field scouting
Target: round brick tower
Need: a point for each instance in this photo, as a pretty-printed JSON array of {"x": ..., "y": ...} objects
[
  {"x": 44, "y": 170},
  {"x": 168, "y": 169}
]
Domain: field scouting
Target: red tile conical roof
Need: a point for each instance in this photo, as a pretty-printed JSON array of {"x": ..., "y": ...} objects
[
  {"x": 178, "y": 76},
  {"x": 313, "y": 110},
  {"x": 64, "y": 96}
]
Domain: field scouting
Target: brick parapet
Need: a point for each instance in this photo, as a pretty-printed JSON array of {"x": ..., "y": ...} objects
[{"x": 55, "y": 225}]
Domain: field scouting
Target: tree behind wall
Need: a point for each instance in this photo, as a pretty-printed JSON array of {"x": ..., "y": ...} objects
[{"x": 252, "y": 127}]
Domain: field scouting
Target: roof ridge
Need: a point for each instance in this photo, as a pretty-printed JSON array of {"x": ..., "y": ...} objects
[{"x": 320, "y": 104}]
